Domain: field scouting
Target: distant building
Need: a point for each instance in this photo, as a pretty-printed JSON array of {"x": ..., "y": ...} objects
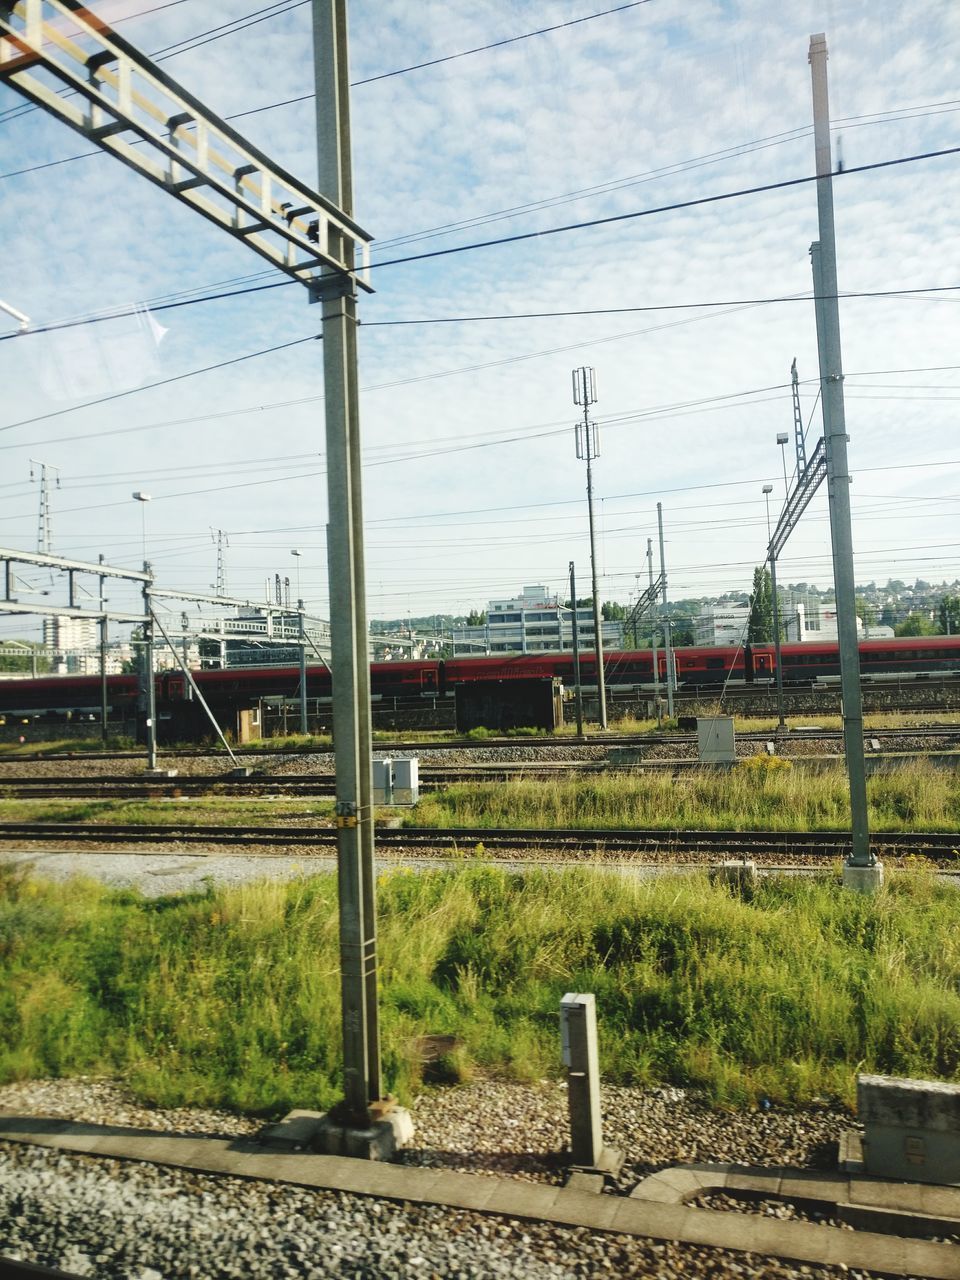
[
  {"x": 533, "y": 622},
  {"x": 73, "y": 643},
  {"x": 721, "y": 624}
]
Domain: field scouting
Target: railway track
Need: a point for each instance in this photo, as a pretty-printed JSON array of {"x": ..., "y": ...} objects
[
  {"x": 937, "y": 846},
  {"x": 950, "y": 732}
]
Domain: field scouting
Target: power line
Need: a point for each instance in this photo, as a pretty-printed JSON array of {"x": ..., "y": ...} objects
[
  {"x": 678, "y": 205},
  {"x": 498, "y": 44},
  {"x": 122, "y": 313}
]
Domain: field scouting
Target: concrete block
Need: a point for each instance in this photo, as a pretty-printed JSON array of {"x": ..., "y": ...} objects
[
  {"x": 579, "y": 1180},
  {"x": 381, "y": 1141},
  {"x": 850, "y": 1154},
  {"x": 863, "y": 879},
  {"x": 734, "y": 873},
  {"x": 295, "y": 1132},
  {"x": 911, "y": 1128},
  {"x": 159, "y": 773}
]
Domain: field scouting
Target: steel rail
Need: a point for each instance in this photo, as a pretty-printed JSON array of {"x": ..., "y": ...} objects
[{"x": 940, "y": 845}]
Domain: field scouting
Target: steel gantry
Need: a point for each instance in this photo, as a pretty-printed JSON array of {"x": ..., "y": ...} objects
[{"x": 60, "y": 55}]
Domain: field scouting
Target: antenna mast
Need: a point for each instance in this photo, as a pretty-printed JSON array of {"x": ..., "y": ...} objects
[{"x": 43, "y": 528}]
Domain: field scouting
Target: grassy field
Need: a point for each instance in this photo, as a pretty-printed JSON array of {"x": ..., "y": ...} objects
[
  {"x": 760, "y": 794},
  {"x": 214, "y": 811},
  {"x": 765, "y": 793},
  {"x": 232, "y": 997}
]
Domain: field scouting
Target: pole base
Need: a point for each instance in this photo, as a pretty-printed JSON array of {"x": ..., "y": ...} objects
[
  {"x": 389, "y": 1129},
  {"x": 863, "y": 879}
]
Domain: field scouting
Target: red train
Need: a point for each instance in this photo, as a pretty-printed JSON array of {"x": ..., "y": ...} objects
[{"x": 696, "y": 668}]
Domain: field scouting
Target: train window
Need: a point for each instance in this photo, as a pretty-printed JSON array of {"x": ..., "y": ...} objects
[{"x": 715, "y": 662}]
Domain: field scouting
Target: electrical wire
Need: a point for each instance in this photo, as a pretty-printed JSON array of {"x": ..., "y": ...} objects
[
  {"x": 498, "y": 44},
  {"x": 162, "y": 382}
]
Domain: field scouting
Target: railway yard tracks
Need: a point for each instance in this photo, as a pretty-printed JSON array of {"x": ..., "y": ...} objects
[{"x": 564, "y": 843}]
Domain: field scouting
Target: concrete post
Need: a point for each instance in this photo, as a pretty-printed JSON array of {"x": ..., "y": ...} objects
[
  {"x": 575, "y": 627},
  {"x": 578, "y": 1037},
  {"x": 352, "y": 731},
  {"x": 303, "y": 669},
  {"x": 824, "y": 257},
  {"x": 667, "y": 645}
]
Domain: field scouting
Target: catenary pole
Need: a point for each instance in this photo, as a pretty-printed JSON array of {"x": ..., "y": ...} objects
[
  {"x": 824, "y": 259},
  {"x": 575, "y": 626},
  {"x": 352, "y": 734},
  {"x": 772, "y": 557},
  {"x": 667, "y": 644},
  {"x": 150, "y": 689},
  {"x": 104, "y": 710},
  {"x": 303, "y": 668},
  {"x": 588, "y": 442},
  {"x": 653, "y": 631}
]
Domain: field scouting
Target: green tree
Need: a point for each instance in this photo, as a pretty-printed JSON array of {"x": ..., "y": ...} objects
[
  {"x": 888, "y": 615},
  {"x": 866, "y": 612},
  {"x": 24, "y": 661},
  {"x": 610, "y": 611},
  {"x": 916, "y": 624},
  {"x": 950, "y": 615},
  {"x": 760, "y": 626},
  {"x": 476, "y": 617}
]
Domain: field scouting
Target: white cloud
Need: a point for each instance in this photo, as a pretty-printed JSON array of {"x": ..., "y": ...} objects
[{"x": 593, "y": 104}]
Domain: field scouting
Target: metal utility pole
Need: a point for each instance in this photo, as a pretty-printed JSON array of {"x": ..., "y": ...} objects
[
  {"x": 150, "y": 691},
  {"x": 44, "y": 543},
  {"x": 824, "y": 258},
  {"x": 771, "y": 556},
  {"x": 352, "y": 728},
  {"x": 667, "y": 645},
  {"x": 103, "y": 658},
  {"x": 799, "y": 442},
  {"x": 140, "y": 114},
  {"x": 303, "y": 668},
  {"x": 222, "y": 541},
  {"x": 653, "y": 629},
  {"x": 588, "y": 448},
  {"x": 576, "y": 651}
]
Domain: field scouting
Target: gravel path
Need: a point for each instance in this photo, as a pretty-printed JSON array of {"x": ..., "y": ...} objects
[{"x": 109, "y": 1218}]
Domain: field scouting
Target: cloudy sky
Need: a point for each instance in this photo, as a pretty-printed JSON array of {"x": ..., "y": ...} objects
[{"x": 472, "y": 484}]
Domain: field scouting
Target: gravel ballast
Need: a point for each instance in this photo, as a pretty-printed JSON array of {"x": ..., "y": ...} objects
[{"x": 111, "y": 1218}]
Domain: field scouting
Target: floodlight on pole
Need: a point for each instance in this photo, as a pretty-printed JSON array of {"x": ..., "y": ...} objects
[
  {"x": 298, "y": 554},
  {"x": 143, "y": 498},
  {"x": 783, "y": 439}
]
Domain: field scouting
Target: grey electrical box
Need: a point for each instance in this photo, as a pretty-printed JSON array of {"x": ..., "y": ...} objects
[
  {"x": 716, "y": 741},
  {"x": 911, "y": 1129},
  {"x": 578, "y": 1042},
  {"x": 383, "y": 782},
  {"x": 406, "y": 781}
]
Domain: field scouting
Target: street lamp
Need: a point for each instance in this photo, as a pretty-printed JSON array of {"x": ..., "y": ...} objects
[
  {"x": 782, "y": 440},
  {"x": 767, "y": 490},
  {"x": 143, "y": 499},
  {"x": 298, "y": 554}
]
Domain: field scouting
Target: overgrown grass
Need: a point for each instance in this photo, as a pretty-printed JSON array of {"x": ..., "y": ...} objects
[
  {"x": 765, "y": 794},
  {"x": 231, "y": 997},
  {"x": 221, "y": 811},
  {"x": 56, "y": 746}
]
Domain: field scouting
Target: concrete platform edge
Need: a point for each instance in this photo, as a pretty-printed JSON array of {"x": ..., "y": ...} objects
[{"x": 798, "y": 1241}]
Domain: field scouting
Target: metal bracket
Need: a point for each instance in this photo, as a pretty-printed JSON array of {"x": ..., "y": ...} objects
[{"x": 55, "y": 52}]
